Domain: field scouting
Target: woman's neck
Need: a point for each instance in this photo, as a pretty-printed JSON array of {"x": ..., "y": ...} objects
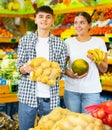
[{"x": 83, "y": 38}]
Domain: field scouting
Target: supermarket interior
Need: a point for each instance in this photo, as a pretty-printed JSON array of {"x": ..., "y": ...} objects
[{"x": 17, "y": 19}]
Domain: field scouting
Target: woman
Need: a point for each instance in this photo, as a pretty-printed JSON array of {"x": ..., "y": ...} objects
[{"x": 84, "y": 90}]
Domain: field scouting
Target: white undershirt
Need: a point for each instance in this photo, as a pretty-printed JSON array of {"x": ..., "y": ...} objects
[{"x": 42, "y": 50}]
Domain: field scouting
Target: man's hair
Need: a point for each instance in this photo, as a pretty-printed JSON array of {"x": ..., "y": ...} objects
[{"x": 45, "y": 9}]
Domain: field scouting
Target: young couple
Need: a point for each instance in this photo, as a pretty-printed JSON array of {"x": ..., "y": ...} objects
[{"x": 36, "y": 98}]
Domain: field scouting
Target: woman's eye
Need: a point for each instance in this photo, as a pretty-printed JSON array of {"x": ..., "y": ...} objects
[
  {"x": 82, "y": 22},
  {"x": 75, "y": 22}
]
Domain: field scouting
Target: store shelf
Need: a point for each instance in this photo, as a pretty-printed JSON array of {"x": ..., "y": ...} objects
[
  {"x": 86, "y": 8},
  {"x": 14, "y": 56},
  {"x": 107, "y": 88},
  {"x": 60, "y": 11},
  {"x": 107, "y": 82},
  {"x": 8, "y": 40},
  {"x": 17, "y": 15},
  {"x": 7, "y": 98},
  {"x": 107, "y": 85}
]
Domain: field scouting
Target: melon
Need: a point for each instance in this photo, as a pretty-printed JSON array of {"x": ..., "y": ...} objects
[{"x": 80, "y": 66}]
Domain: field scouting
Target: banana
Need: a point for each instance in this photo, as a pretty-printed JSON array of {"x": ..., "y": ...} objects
[
  {"x": 99, "y": 54},
  {"x": 95, "y": 55}
]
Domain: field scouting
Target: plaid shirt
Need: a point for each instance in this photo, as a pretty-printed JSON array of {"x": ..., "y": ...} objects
[{"x": 27, "y": 51}]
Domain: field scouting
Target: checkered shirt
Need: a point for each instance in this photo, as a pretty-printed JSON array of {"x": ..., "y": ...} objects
[{"x": 27, "y": 51}]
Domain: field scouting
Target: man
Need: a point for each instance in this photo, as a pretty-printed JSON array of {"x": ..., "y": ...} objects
[{"x": 36, "y": 97}]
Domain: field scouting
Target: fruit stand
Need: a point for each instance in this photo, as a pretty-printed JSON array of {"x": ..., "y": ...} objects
[
  {"x": 66, "y": 13},
  {"x": 63, "y": 28}
]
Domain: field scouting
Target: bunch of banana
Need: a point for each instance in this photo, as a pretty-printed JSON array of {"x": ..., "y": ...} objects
[{"x": 98, "y": 55}]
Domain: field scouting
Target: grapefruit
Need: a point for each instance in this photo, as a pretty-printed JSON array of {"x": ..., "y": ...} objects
[{"x": 80, "y": 66}]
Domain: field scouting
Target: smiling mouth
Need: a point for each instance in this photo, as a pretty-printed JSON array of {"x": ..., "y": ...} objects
[{"x": 78, "y": 30}]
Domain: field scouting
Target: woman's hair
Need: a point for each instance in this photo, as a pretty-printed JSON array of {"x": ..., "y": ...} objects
[
  {"x": 45, "y": 9},
  {"x": 86, "y": 15}
]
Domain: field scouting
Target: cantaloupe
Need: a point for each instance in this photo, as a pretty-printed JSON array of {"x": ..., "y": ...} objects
[{"x": 80, "y": 66}]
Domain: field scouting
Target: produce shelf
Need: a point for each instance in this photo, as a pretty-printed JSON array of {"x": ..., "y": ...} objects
[
  {"x": 7, "y": 98},
  {"x": 17, "y": 15},
  {"x": 107, "y": 85},
  {"x": 107, "y": 82},
  {"x": 107, "y": 88},
  {"x": 2, "y": 55},
  {"x": 87, "y": 8},
  {"x": 8, "y": 40}
]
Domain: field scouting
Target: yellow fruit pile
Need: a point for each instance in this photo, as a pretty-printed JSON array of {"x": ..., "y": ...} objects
[
  {"x": 63, "y": 119},
  {"x": 44, "y": 70},
  {"x": 98, "y": 55},
  {"x": 13, "y": 6}
]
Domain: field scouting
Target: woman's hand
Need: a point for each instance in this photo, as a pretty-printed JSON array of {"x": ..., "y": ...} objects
[
  {"x": 79, "y": 76},
  {"x": 90, "y": 56},
  {"x": 103, "y": 66},
  {"x": 74, "y": 75}
]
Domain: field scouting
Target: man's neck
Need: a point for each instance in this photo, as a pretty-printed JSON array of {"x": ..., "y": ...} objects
[{"x": 43, "y": 33}]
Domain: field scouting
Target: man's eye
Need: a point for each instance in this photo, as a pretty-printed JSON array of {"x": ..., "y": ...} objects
[
  {"x": 48, "y": 17},
  {"x": 40, "y": 16}
]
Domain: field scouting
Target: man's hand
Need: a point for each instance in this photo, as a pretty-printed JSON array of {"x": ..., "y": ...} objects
[{"x": 26, "y": 68}]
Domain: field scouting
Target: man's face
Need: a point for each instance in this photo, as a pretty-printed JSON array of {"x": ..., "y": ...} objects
[{"x": 44, "y": 20}]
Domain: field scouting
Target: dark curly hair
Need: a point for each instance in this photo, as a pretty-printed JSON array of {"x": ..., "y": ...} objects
[{"x": 46, "y": 9}]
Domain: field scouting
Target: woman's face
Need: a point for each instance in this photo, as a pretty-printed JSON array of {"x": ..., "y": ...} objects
[{"x": 81, "y": 25}]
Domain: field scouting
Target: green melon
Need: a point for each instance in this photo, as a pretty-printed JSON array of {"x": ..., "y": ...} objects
[{"x": 80, "y": 66}]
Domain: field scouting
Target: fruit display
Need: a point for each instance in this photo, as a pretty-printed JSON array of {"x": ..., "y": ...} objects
[
  {"x": 98, "y": 55},
  {"x": 106, "y": 76},
  {"x": 7, "y": 50},
  {"x": 101, "y": 19},
  {"x": 68, "y": 33},
  {"x": 5, "y": 33},
  {"x": 109, "y": 52},
  {"x": 8, "y": 68},
  {"x": 6, "y": 123},
  {"x": 102, "y": 111},
  {"x": 63, "y": 119},
  {"x": 44, "y": 71},
  {"x": 80, "y": 66},
  {"x": 16, "y": 7}
]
